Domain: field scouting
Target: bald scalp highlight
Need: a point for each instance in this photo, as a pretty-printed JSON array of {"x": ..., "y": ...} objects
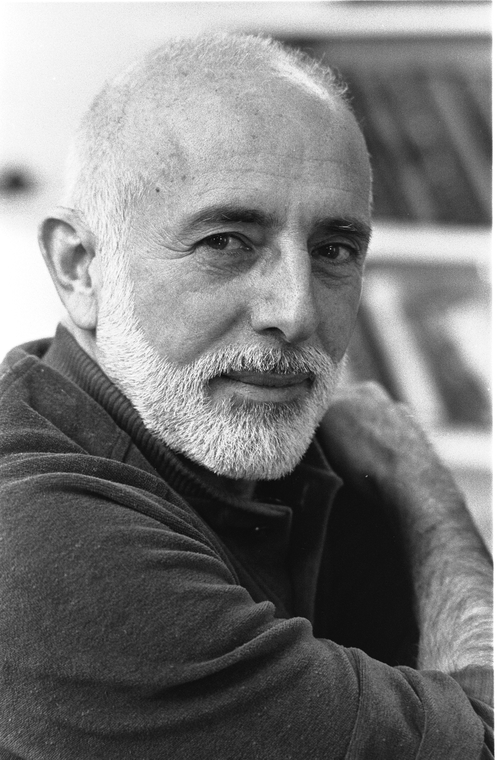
[{"x": 103, "y": 181}]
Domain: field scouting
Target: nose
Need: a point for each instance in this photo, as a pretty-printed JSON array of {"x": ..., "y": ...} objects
[{"x": 285, "y": 302}]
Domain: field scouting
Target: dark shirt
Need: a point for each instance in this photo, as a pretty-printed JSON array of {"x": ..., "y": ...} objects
[{"x": 146, "y": 614}]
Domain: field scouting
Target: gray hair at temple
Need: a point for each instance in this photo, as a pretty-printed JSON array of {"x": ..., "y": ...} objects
[{"x": 102, "y": 182}]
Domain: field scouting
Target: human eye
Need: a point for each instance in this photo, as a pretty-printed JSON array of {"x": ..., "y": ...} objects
[
  {"x": 224, "y": 242},
  {"x": 337, "y": 252}
]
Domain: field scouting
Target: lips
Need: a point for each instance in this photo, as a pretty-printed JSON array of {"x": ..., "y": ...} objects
[{"x": 269, "y": 379}]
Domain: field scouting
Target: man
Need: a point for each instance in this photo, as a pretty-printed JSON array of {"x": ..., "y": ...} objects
[{"x": 184, "y": 575}]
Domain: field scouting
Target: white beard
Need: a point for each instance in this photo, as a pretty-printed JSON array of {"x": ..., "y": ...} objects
[{"x": 237, "y": 438}]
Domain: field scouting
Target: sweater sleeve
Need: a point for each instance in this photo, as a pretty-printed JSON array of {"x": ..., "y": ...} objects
[{"x": 124, "y": 636}]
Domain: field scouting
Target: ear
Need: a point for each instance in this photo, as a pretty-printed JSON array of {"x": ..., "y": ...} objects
[{"x": 68, "y": 247}]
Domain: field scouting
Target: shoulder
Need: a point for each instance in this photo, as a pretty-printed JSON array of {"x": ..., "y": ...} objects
[{"x": 69, "y": 473}]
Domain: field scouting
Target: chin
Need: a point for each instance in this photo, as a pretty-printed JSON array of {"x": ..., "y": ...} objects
[{"x": 252, "y": 444}]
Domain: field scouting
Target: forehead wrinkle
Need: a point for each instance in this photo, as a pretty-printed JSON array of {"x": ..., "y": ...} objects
[
  {"x": 159, "y": 117},
  {"x": 164, "y": 150}
]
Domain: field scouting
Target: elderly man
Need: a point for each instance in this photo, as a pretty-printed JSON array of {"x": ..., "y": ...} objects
[{"x": 193, "y": 567}]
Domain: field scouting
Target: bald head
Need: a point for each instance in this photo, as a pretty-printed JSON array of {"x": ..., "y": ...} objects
[{"x": 117, "y": 151}]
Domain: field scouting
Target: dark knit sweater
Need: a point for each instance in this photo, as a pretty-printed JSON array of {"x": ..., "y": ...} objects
[{"x": 146, "y": 614}]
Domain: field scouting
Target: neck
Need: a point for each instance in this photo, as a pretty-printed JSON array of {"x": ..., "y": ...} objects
[{"x": 85, "y": 338}]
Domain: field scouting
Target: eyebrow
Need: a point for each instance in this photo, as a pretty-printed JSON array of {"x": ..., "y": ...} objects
[
  {"x": 229, "y": 213},
  {"x": 243, "y": 215},
  {"x": 347, "y": 224}
]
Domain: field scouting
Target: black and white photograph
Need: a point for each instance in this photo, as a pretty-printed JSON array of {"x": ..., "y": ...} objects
[{"x": 246, "y": 383}]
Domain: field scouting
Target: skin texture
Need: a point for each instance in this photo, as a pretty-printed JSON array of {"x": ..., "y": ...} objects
[{"x": 292, "y": 157}]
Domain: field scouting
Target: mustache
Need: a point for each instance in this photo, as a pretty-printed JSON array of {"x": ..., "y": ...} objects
[{"x": 287, "y": 360}]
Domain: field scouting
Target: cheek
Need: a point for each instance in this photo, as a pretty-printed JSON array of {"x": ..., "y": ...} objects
[
  {"x": 338, "y": 312},
  {"x": 181, "y": 322}
]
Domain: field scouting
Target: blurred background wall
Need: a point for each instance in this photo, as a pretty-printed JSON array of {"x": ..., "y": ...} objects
[{"x": 420, "y": 78}]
